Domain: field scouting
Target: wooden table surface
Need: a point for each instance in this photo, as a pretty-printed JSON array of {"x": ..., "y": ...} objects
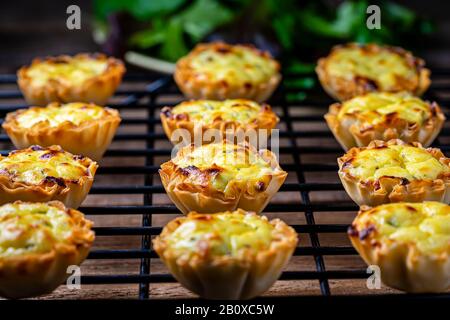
[{"x": 42, "y": 36}]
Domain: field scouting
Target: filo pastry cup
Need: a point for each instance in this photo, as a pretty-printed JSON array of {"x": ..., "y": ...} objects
[
  {"x": 38, "y": 243},
  {"x": 409, "y": 242},
  {"x": 220, "y": 71},
  {"x": 83, "y": 77},
  {"x": 244, "y": 119},
  {"x": 355, "y": 69},
  {"x": 221, "y": 177},
  {"x": 79, "y": 128},
  {"x": 229, "y": 255},
  {"x": 384, "y": 116},
  {"x": 38, "y": 174},
  {"x": 395, "y": 171}
]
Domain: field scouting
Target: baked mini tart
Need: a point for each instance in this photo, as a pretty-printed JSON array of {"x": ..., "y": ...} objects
[
  {"x": 79, "y": 128},
  {"x": 409, "y": 242},
  {"x": 395, "y": 171},
  {"x": 39, "y": 174},
  {"x": 221, "y": 177},
  {"x": 38, "y": 242},
  {"x": 354, "y": 69},
  {"x": 384, "y": 116},
  {"x": 227, "y": 255},
  {"x": 81, "y": 78},
  {"x": 234, "y": 115},
  {"x": 220, "y": 71}
]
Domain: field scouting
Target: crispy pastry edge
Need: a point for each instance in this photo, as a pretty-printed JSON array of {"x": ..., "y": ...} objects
[
  {"x": 226, "y": 277},
  {"x": 393, "y": 189},
  {"x": 267, "y": 119},
  {"x": 342, "y": 89},
  {"x": 349, "y": 135},
  {"x": 195, "y": 88},
  {"x": 402, "y": 265},
  {"x": 72, "y": 194},
  {"x": 90, "y": 138},
  {"x": 97, "y": 89},
  {"x": 192, "y": 198},
  {"x": 39, "y": 273}
]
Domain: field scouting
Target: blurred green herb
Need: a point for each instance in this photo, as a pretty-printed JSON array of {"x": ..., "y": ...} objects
[
  {"x": 296, "y": 96},
  {"x": 349, "y": 23},
  {"x": 300, "y": 83},
  {"x": 169, "y": 28},
  {"x": 139, "y": 9},
  {"x": 299, "y": 67}
]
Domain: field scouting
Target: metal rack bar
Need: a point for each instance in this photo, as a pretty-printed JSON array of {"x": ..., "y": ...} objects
[{"x": 309, "y": 215}]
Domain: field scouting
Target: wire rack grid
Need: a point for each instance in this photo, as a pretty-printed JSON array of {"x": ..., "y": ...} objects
[{"x": 129, "y": 205}]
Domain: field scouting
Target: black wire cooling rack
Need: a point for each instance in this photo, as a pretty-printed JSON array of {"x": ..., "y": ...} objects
[{"x": 308, "y": 152}]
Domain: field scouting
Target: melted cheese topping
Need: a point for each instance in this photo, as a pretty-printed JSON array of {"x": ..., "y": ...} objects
[
  {"x": 383, "y": 66},
  {"x": 34, "y": 167},
  {"x": 221, "y": 234},
  {"x": 401, "y": 161},
  {"x": 239, "y": 65},
  {"x": 427, "y": 224},
  {"x": 31, "y": 228},
  {"x": 374, "y": 108},
  {"x": 232, "y": 161},
  {"x": 208, "y": 111},
  {"x": 75, "y": 71},
  {"x": 55, "y": 115}
]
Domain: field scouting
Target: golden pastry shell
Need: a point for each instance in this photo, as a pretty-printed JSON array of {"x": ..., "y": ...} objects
[
  {"x": 266, "y": 119},
  {"x": 394, "y": 189},
  {"x": 349, "y": 134},
  {"x": 402, "y": 265},
  {"x": 195, "y": 87},
  {"x": 89, "y": 138},
  {"x": 97, "y": 89},
  {"x": 71, "y": 193},
  {"x": 342, "y": 89},
  {"x": 34, "y": 274},
  {"x": 227, "y": 277},
  {"x": 188, "y": 197}
]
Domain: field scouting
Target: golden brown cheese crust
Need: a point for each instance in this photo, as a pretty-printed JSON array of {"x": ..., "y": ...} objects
[
  {"x": 351, "y": 82},
  {"x": 248, "y": 73},
  {"x": 353, "y": 130},
  {"x": 89, "y": 137},
  {"x": 21, "y": 179},
  {"x": 408, "y": 241},
  {"x": 96, "y": 88},
  {"x": 220, "y": 118},
  {"x": 218, "y": 184},
  {"x": 35, "y": 273},
  {"x": 394, "y": 187},
  {"x": 244, "y": 274}
]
